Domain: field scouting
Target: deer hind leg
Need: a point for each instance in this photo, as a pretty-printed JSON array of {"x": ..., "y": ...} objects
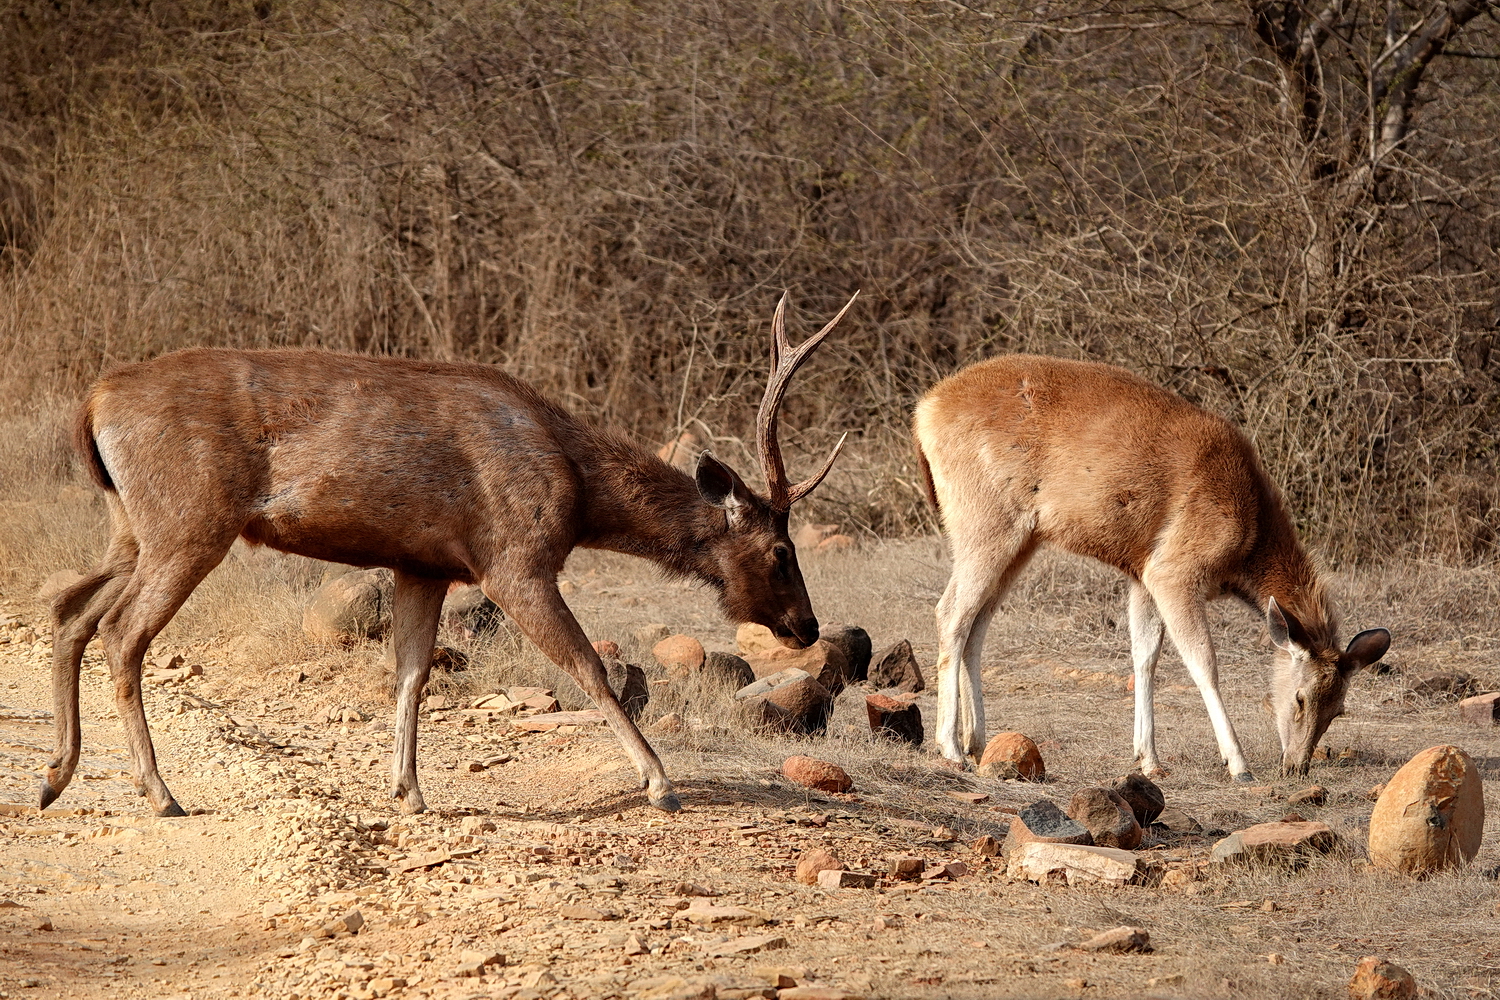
[
  {"x": 154, "y": 592},
  {"x": 75, "y": 619},
  {"x": 540, "y": 612},
  {"x": 1187, "y": 623},
  {"x": 414, "y": 626},
  {"x": 1146, "y": 632},
  {"x": 981, "y": 576}
]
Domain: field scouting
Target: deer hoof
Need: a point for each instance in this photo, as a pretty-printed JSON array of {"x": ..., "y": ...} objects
[
  {"x": 667, "y": 803},
  {"x": 171, "y": 809},
  {"x": 47, "y": 796},
  {"x": 1245, "y": 778}
]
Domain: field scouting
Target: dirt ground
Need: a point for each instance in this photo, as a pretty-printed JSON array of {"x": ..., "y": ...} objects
[{"x": 550, "y": 858}]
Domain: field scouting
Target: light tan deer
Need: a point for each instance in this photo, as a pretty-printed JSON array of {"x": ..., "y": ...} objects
[
  {"x": 441, "y": 472},
  {"x": 1020, "y": 451}
]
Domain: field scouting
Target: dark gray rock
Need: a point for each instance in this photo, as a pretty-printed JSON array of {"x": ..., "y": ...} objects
[
  {"x": 854, "y": 643},
  {"x": 470, "y": 612},
  {"x": 731, "y": 669},
  {"x": 628, "y": 682},
  {"x": 896, "y": 668},
  {"x": 1145, "y": 798}
]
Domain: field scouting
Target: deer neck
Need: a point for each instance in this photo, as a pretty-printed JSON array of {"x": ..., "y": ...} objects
[
  {"x": 635, "y": 503},
  {"x": 1279, "y": 567}
]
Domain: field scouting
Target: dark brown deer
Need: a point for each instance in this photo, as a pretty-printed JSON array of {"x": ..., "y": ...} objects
[
  {"x": 1022, "y": 451},
  {"x": 441, "y": 472}
]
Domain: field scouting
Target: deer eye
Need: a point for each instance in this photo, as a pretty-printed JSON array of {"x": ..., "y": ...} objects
[{"x": 783, "y": 555}]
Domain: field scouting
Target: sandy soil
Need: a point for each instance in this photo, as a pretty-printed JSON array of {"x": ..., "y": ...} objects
[{"x": 549, "y": 857}]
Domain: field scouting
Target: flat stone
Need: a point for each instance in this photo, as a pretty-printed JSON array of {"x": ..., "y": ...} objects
[
  {"x": 549, "y": 721},
  {"x": 1075, "y": 864},
  {"x": 1144, "y": 796},
  {"x": 701, "y": 911},
  {"x": 1376, "y": 979},
  {"x": 766, "y": 685},
  {"x": 1431, "y": 814},
  {"x": 818, "y": 993},
  {"x": 1043, "y": 821},
  {"x": 814, "y": 861},
  {"x": 818, "y": 774},
  {"x": 1482, "y": 709},
  {"x": 1119, "y": 940},
  {"x": 1314, "y": 796},
  {"x": 1289, "y": 844},
  {"x": 1107, "y": 816},
  {"x": 748, "y": 946},
  {"x": 838, "y": 879},
  {"x": 574, "y": 912},
  {"x": 906, "y": 867},
  {"x": 1012, "y": 755},
  {"x": 896, "y": 668}
]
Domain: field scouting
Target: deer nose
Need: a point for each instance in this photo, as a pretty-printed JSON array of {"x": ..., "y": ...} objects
[{"x": 807, "y": 631}]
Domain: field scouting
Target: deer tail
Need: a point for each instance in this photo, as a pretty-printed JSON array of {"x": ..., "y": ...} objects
[
  {"x": 88, "y": 448},
  {"x": 927, "y": 477}
]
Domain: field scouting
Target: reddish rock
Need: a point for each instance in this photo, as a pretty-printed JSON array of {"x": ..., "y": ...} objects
[
  {"x": 1314, "y": 796},
  {"x": 680, "y": 654},
  {"x": 1107, "y": 816},
  {"x": 1119, "y": 940},
  {"x": 1043, "y": 822},
  {"x": 1143, "y": 795},
  {"x": 759, "y": 715},
  {"x": 810, "y": 536},
  {"x": 807, "y": 702},
  {"x": 682, "y": 452},
  {"x": 906, "y": 867},
  {"x": 1376, "y": 979},
  {"x": 986, "y": 847},
  {"x": 1430, "y": 815},
  {"x": 1289, "y": 844},
  {"x": 814, "y": 861},
  {"x": 818, "y": 774},
  {"x": 608, "y": 649},
  {"x": 822, "y": 660},
  {"x": 1012, "y": 755},
  {"x": 845, "y": 880},
  {"x": 836, "y": 543},
  {"x": 895, "y": 719},
  {"x": 896, "y": 669},
  {"x": 1482, "y": 709},
  {"x": 351, "y": 608},
  {"x": 753, "y": 638}
]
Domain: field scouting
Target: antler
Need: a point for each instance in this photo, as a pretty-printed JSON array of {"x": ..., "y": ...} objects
[{"x": 784, "y": 364}]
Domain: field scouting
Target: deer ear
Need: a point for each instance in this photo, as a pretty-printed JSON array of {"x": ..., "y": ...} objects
[
  {"x": 1366, "y": 648},
  {"x": 719, "y": 484},
  {"x": 1286, "y": 630}
]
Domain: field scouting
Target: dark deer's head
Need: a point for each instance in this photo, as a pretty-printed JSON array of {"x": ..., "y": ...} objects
[{"x": 758, "y": 574}]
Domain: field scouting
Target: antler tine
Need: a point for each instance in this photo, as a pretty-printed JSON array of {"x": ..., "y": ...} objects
[
  {"x": 785, "y": 360},
  {"x": 805, "y": 487}
]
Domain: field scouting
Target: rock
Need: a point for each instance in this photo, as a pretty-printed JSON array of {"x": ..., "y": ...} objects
[
  {"x": 888, "y": 922},
  {"x": 807, "y": 704},
  {"x": 747, "y": 946},
  {"x": 467, "y": 610},
  {"x": 854, "y": 643},
  {"x": 41, "y": 922},
  {"x": 473, "y": 826},
  {"x": 896, "y": 669},
  {"x": 1043, "y": 821},
  {"x": 1430, "y": 815},
  {"x": 814, "y": 861},
  {"x": 819, "y": 993},
  {"x": 987, "y": 847},
  {"x": 728, "y": 669},
  {"x": 351, "y": 608},
  {"x": 57, "y": 583},
  {"x": 628, "y": 682},
  {"x": 1143, "y": 795},
  {"x": 836, "y": 543},
  {"x": 895, "y": 719},
  {"x": 818, "y": 774},
  {"x": 444, "y": 658},
  {"x": 951, "y": 869},
  {"x": 574, "y": 912},
  {"x": 275, "y": 909},
  {"x": 906, "y": 867},
  {"x": 608, "y": 649},
  {"x": 810, "y": 536},
  {"x": 352, "y": 921},
  {"x": 1179, "y": 877},
  {"x": 1012, "y": 755},
  {"x": 762, "y": 716},
  {"x": 649, "y": 635},
  {"x": 1376, "y": 979},
  {"x": 681, "y": 452},
  {"x": 693, "y": 889},
  {"x": 1075, "y": 864},
  {"x": 768, "y": 683},
  {"x": 1442, "y": 686},
  {"x": 548, "y": 721},
  {"x": 1289, "y": 844},
  {"x": 669, "y": 723},
  {"x": 1482, "y": 709},
  {"x": 1107, "y": 816},
  {"x": 680, "y": 654},
  {"x": 835, "y": 879},
  {"x": 701, "y": 911},
  {"x": 752, "y": 638},
  {"x": 821, "y": 660},
  {"x": 1314, "y": 796},
  {"x": 1177, "y": 821},
  {"x": 1119, "y": 940}
]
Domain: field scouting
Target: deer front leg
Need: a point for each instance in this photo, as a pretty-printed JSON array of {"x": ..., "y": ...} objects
[
  {"x": 537, "y": 608},
  {"x": 414, "y": 625},
  {"x": 1146, "y": 631},
  {"x": 1187, "y": 624}
]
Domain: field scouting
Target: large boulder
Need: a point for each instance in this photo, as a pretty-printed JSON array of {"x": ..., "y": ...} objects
[
  {"x": 1430, "y": 815},
  {"x": 753, "y": 638},
  {"x": 1145, "y": 798},
  {"x": 1012, "y": 755},
  {"x": 896, "y": 669},
  {"x": 1108, "y": 818},
  {"x": 854, "y": 643},
  {"x": 351, "y": 608}
]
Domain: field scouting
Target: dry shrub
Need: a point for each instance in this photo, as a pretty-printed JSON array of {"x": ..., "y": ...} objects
[{"x": 607, "y": 199}]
